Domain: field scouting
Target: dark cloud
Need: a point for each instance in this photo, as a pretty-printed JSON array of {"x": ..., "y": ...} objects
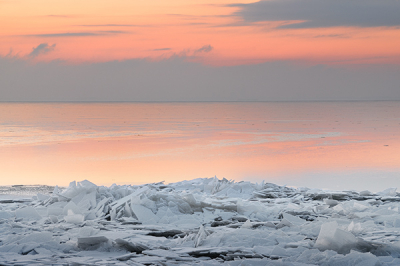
[
  {"x": 176, "y": 79},
  {"x": 205, "y": 49},
  {"x": 323, "y": 13},
  {"x": 42, "y": 48}
]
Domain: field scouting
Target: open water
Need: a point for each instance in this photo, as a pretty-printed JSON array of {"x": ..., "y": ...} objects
[{"x": 333, "y": 145}]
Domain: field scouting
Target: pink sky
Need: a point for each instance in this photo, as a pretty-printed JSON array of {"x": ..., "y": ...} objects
[{"x": 211, "y": 32}]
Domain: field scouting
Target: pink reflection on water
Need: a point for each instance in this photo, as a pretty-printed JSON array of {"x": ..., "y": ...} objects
[{"x": 150, "y": 142}]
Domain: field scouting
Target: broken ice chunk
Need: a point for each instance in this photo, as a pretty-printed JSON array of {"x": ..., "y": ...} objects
[
  {"x": 220, "y": 223},
  {"x": 331, "y": 202},
  {"x": 54, "y": 211},
  {"x": 53, "y": 218},
  {"x": 91, "y": 215},
  {"x": 396, "y": 223},
  {"x": 162, "y": 253},
  {"x": 354, "y": 228},
  {"x": 127, "y": 211},
  {"x": 145, "y": 215},
  {"x": 291, "y": 220},
  {"x": 132, "y": 247},
  {"x": 5, "y": 215},
  {"x": 390, "y": 192},
  {"x": 359, "y": 207},
  {"x": 42, "y": 197},
  {"x": 88, "y": 201},
  {"x": 201, "y": 235},
  {"x": 168, "y": 233},
  {"x": 71, "y": 190},
  {"x": 37, "y": 238},
  {"x": 71, "y": 206},
  {"x": 87, "y": 186},
  {"x": 186, "y": 221},
  {"x": 247, "y": 224},
  {"x": 28, "y": 213},
  {"x": 74, "y": 218},
  {"x": 88, "y": 231},
  {"x": 365, "y": 193},
  {"x": 279, "y": 252},
  {"x": 91, "y": 242},
  {"x": 330, "y": 237}
]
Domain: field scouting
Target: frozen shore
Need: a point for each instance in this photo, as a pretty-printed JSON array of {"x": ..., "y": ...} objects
[{"x": 198, "y": 222}]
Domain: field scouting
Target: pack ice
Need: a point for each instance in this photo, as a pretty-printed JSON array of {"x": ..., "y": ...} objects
[{"x": 206, "y": 221}]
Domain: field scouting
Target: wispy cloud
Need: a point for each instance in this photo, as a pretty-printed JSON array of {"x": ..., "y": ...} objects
[
  {"x": 112, "y": 32},
  {"x": 204, "y": 49},
  {"x": 42, "y": 48},
  {"x": 60, "y": 16},
  {"x": 112, "y": 25},
  {"x": 162, "y": 49},
  {"x": 76, "y": 34},
  {"x": 319, "y": 14},
  {"x": 64, "y": 34},
  {"x": 342, "y": 36}
]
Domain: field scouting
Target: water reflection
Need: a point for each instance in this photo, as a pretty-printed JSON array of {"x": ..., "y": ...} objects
[{"x": 322, "y": 144}]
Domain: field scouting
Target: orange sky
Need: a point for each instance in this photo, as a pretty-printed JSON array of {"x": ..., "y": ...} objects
[{"x": 86, "y": 31}]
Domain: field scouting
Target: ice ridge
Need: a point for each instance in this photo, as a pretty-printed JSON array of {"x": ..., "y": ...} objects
[{"x": 205, "y": 221}]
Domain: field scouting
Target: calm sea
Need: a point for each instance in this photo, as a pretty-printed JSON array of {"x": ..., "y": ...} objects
[{"x": 333, "y": 145}]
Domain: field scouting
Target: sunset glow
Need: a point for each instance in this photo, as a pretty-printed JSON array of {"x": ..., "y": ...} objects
[
  {"x": 196, "y": 51},
  {"x": 199, "y": 132},
  {"x": 135, "y": 143},
  {"x": 211, "y": 32}
]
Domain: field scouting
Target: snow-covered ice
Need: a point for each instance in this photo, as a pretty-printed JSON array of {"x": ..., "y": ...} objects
[{"x": 205, "y": 221}]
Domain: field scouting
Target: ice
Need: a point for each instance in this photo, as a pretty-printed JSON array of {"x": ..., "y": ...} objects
[
  {"x": 396, "y": 222},
  {"x": 88, "y": 231},
  {"x": 74, "y": 218},
  {"x": 131, "y": 247},
  {"x": 291, "y": 220},
  {"x": 52, "y": 210},
  {"x": 71, "y": 207},
  {"x": 390, "y": 192},
  {"x": 42, "y": 197},
  {"x": 5, "y": 215},
  {"x": 333, "y": 238},
  {"x": 161, "y": 253},
  {"x": 37, "y": 237},
  {"x": 279, "y": 252},
  {"x": 91, "y": 242},
  {"x": 355, "y": 228},
  {"x": 200, "y": 236},
  {"x": 247, "y": 224},
  {"x": 144, "y": 214},
  {"x": 205, "y": 221},
  {"x": 27, "y": 213}
]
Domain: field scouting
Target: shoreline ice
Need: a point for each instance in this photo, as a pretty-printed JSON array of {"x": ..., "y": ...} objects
[{"x": 205, "y": 221}]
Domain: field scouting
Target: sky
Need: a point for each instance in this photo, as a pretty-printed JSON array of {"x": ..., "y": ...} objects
[{"x": 199, "y": 50}]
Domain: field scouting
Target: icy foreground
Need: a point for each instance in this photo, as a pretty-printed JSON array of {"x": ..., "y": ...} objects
[{"x": 201, "y": 222}]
